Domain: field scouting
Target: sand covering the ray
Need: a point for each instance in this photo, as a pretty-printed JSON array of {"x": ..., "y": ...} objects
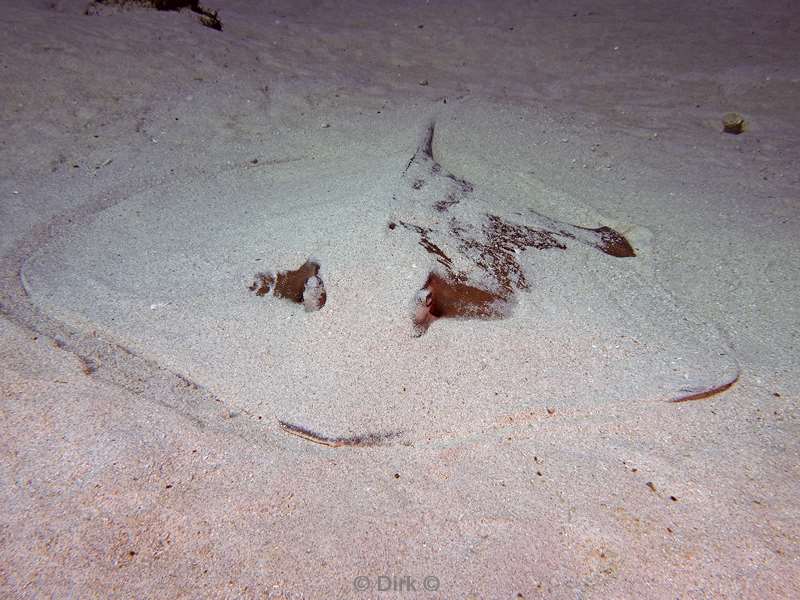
[
  {"x": 126, "y": 482},
  {"x": 165, "y": 274}
]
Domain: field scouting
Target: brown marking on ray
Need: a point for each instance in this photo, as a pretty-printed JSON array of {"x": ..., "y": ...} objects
[
  {"x": 611, "y": 242},
  {"x": 451, "y": 298},
  {"x": 495, "y": 253},
  {"x": 443, "y": 297},
  {"x": 503, "y": 241},
  {"x": 511, "y": 236},
  {"x": 292, "y": 285},
  {"x": 262, "y": 285},
  {"x": 465, "y": 185},
  {"x": 362, "y": 440},
  {"x": 88, "y": 365},
  {"x": 702, "y": 395},
  {"x": 443, "y": 205},
  {"x": 426, "y": 243}
]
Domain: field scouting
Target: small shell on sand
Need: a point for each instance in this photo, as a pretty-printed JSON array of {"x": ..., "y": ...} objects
[{"x": 733, "y": 123}]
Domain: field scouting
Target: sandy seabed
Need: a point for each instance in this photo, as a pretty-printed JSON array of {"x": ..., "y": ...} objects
[{"x": 166, "y": 432}]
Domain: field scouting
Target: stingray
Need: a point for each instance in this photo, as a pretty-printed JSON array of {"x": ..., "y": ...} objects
[
  {"x": 450, "y": 222},
  {"x": 433, "y": 306}
]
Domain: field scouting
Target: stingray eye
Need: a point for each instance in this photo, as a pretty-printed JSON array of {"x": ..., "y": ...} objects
[{"x": 424, "y": 297}]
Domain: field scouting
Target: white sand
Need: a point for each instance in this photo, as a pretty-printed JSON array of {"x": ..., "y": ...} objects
[{"x": 143, "y": 383}]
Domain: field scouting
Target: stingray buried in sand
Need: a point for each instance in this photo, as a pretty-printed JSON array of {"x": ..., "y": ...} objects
[
  {"x": 519, "y": 311},
  {"x": 477, "y": 252}
]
